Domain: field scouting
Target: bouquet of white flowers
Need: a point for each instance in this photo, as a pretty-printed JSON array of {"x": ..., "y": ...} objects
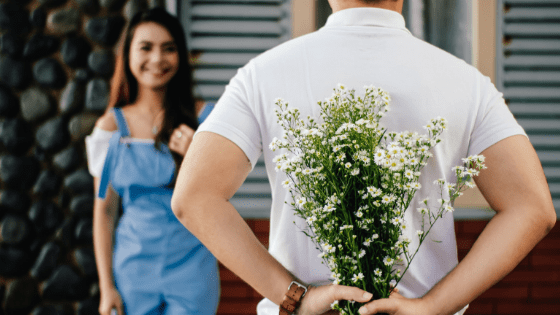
[{"x": 352, "y": 182}]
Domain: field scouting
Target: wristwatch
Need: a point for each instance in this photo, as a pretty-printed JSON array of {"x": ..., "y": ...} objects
[{"x": 293, "y": 297}]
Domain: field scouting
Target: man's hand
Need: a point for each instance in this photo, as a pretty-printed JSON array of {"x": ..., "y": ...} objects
[
  {"x": 396, "y": 304},
  {"x": 318, "y": 300}
]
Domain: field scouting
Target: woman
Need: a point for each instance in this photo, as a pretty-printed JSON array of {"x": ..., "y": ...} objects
[{"x": 156, "y": 265}]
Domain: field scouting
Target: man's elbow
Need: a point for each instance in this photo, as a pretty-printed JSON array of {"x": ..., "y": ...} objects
[
  {"x": 179, "y": 207},
  {"x": 550, "y": 220}
]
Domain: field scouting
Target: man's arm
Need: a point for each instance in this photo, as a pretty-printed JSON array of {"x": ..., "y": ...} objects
[
  {"x": 212, "y": 171},
  {"x": 515, "y": 187}
]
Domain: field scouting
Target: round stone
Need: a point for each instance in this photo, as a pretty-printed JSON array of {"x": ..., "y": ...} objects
[
  {"x": 82, "y": 125},
  {"x": 85, "y": 260},
  {"x": 52, "y": 3},
  {"x": 156, "y": 3},
  {"x": 90, "y": 7},
  {"x": 49, "y": 73},
  {"x": 40, "y": 45},
  {"x": 97, "y": 94},
  {"x": 18, "y": 172},
  {"x": 74, "y": 51},
  {"x": 82, "y": 75},
  {"x": 50, "y": 310},
  {"x": 68, "y": 159},
  {"x": 15, "y": 230},
  {"x": 15, "y": 73},
  {"x": 79, "y": 182},
  {"x": 112, "y": 5},
  {"x": 88, "y": 307},
  {"x": 64, "y": 21},
  {"x": 45, "y": 216},
  {"x": 105, "y": 30},
  {"x": 35, "y": 104},
  {"x": 38, "y": 18},
  {"x": 52, "y": 135},
  {"x": 72, "y": 97},
  {"x": 9, "y": 104},
  {"x": 16, "y": 135},
  {"x": 22, "y": 296},
  {"x": 14, "y": 262},
  {"x": 11, "y": 45},
  {"x": 64, "y": 284},
  {"x": 134, "y": 6},
  {"x": 65, "y": 234},
  {"x": 47, "y": 184},
  {"x": 46, "y": 262},
  {"x": 102, "y": 62},
  {"x": 14, "y": 17},
  {"x": 13, "y": 201},
  {"x": 84, "y": 231},
  {"x": 82, "y": 205}
]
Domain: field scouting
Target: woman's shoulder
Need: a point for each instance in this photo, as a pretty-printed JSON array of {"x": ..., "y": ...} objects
[{"x": 107, "y": 122}]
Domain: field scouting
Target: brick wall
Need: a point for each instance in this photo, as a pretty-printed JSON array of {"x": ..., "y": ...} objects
[{"x": 533, "y": 287}]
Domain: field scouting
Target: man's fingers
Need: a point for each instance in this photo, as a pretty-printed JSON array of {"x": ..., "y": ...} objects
[
  {"x": 341, "y": 292},
  {"x": 379, "y": 306}
]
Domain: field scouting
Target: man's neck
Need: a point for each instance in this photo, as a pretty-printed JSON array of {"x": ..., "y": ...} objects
[{"x": 338, "y": 5}]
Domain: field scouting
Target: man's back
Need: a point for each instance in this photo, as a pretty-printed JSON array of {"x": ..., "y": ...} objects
[{"x": 358, "y": 47}]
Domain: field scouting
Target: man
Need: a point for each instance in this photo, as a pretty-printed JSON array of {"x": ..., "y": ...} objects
[{"x": 364, "y": 43}]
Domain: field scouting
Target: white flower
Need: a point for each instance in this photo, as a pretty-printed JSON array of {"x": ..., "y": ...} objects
[
  {"x": 375, "y": 236},
  {"x": 286, "y": 183},
  {"x": 378, "y": 272},
  {"x": 334, "y": 304},
  {"x": 348, "y": 165},
  {"x": 388, "y": 261},
  {"x": 393, "y": 283},
  {"x": 419, "y": 232},
  {"x": 362, "y": 253},
  {"x": 355, "y": 172},
  {"x": 300, "y": 202}
]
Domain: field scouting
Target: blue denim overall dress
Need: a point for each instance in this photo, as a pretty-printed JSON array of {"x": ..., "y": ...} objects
[{"x": 158, "y": 265}]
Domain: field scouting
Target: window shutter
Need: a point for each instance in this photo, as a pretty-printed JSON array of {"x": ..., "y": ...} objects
[
  {"x": 226, "y": 34},
  {"x": 528, "y": 73}
]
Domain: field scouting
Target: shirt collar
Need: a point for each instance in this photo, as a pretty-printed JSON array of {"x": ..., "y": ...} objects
[{"x": 367, "y": 17}]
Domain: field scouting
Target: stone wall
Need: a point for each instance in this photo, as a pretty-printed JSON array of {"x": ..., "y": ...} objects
[{"x": 56, "y": 60}]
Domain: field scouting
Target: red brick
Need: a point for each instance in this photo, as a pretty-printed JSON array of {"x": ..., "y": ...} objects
[
  {"x": 548, "y": 243},
  {"x": 458, "y": 227},
  {"x": 251, "y": 224},
  {"x": 464, "y": 243},
  {"x": 228, "y": 275},
  {"x": 519, "y": 308},
  {"x": 548, "y": 292},
  {"x": 235, "y": 290},
  {"x": 521, "y": 292},
  {"x": 476, "y": 308},
  {"x": 474, "y": 227},
  {"x": 518, "y": 276},
  {"x": 545, "y": 260},
  {"x": 263, "y": 238},
  {"x": 237, "y": 307},
  {"x": 262, "y": 226}
]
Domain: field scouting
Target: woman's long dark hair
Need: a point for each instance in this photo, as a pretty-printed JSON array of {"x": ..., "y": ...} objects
[{"x": 179, "y": 104}]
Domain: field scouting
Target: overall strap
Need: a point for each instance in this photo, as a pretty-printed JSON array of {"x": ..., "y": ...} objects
[
  {"x": 109, "y": 165},
  {"x": 121, "y": 122}
]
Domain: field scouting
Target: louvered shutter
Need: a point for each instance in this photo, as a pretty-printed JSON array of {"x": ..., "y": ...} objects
[
  {"x": 227, "y": 34},
  {"x": 528, "y": 72}
]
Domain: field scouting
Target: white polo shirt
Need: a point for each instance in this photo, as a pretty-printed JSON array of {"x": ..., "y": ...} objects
[{"x": 358, "y": 47}]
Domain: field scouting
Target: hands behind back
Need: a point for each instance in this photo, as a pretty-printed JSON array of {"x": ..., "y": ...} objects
[
  {"x": 181, "y": 139},
  {"x": 318, "y": 300}
]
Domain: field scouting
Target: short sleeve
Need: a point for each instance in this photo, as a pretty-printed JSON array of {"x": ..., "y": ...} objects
[
  {"x": 97, "y": 145},
  {"x": 494, "y": 120},
  {"x": 234, "y": 117}
]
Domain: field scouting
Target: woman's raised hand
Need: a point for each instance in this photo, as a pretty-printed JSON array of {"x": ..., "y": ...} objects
[
  {"x": 181, "y": 139},
  {"x": 110, "y": 299}
]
